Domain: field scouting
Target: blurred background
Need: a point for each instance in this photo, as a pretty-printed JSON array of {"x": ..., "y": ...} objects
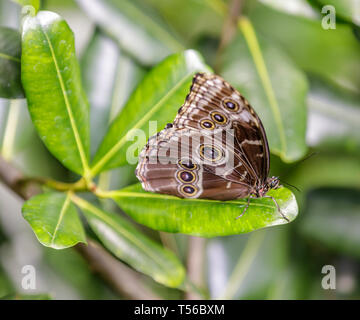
[{"x": 318, "y": 71}]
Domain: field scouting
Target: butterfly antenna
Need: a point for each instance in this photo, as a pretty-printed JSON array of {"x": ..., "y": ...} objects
[
  {"x": 309, "y": 156},
  {"x": 290, "y": 185}
]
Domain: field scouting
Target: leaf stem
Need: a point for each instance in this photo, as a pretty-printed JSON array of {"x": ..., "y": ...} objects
[{"x": 80, "y": 185}]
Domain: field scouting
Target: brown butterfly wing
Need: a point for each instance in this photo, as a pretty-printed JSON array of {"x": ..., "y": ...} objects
[
  {"x": 172, "y": 163},
  {"x": 214, "y": 104}
]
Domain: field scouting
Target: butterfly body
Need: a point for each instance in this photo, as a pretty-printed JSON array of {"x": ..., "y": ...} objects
[{"x": 216, "y": 148}]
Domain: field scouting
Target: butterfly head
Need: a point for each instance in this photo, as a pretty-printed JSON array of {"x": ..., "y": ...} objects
[{"x": 271, "y": 183}]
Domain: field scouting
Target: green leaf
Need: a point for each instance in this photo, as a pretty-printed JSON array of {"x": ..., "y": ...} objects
[
  {"x": 332, "y": 219},
  {"x": 54, "y": 220},
  {"x": 52, "y": 83},
  {"x": 34, "y": 3},
  {"x": 330, "y": 54},
  {"x": 346, "y": 9},
  {"x": 130, "y": 245},
  {"x": 275, "y": 88},
  {"x": 137, "y": 31},
  {"x": 201, "y": 217},
  {"x": 109, "y": 76},
  {"x": 10, "y": 52},
  {"x": 157, "y": 98}
]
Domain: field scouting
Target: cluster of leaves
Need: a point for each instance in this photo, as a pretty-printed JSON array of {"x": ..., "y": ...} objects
[{"x": 284, "y": 72}]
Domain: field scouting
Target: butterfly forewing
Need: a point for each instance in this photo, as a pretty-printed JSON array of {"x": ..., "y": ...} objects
[{"x": 214, "y": 104}]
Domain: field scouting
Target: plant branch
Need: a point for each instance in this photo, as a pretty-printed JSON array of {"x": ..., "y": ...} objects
[{"x": 80, "y": 185}]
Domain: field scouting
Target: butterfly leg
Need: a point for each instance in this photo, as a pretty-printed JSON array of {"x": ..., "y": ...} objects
[
  {"x": 247, "y": 205},
  {"x": 278, "y": 207}
]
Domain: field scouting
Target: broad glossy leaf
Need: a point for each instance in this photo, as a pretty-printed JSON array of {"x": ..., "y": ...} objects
[
  {"x": 201, "y": 217},
  {"x": 331, "y": 54},
  {"x": 130, "y": 245},
  {"x": 10, "y": 52},
  {"x": 334, "y": 118},
  {"x": 277, "y": 91},
  {"x": 157, "y": 98},
  {"x": 137, "y": 31},
  {"x": 346, "y": 9},
  {"x": 109, "y": 77},
  {"x": 52, "y": 83},
  {"x": 332, "y": 218},
  {"x": 54, "y": 220}
]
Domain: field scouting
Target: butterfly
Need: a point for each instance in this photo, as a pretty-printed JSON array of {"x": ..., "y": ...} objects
[{"x": 216, "y": 148}]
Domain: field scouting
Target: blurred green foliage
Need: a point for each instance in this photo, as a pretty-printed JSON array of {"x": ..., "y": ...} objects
[{"x": 307, "y": 96}]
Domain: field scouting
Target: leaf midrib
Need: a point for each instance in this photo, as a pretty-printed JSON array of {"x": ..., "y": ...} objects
[
  {"x": 107, "y": 157},
  {"x": 64, "y": 207},
  {"x": 122, "y": 194}
]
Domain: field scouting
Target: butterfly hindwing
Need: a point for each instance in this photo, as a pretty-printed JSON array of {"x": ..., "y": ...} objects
[{"x": 188, "y": 164}]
